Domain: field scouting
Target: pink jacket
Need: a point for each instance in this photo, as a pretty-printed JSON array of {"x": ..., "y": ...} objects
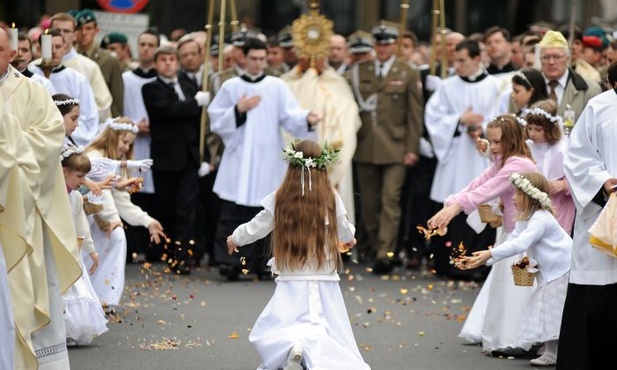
[{"x": 492, "y": 183}]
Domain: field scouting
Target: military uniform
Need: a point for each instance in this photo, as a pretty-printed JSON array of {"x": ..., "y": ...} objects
[{"x": 391, "y": 110}]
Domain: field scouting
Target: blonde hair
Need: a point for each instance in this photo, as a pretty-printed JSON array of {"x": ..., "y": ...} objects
[
  {"x": 301, "y": 236},
  {"x": 530, "y": 204},
  {"x": 107, "y": 141}
]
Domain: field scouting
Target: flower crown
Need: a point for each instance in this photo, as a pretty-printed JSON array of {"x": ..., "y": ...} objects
[
  {"x": 527, "y": 187},
  {"x": 69, "y": 151},
  {"x": 541, "y": 112},
  {"x": 116, "y": 126},
  {"x": 70, "y": 101},
  {"x": 296, "y": 158}
]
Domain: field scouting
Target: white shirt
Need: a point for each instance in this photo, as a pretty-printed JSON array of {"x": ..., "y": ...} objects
[
  {"x": 560, "y": 88},
  {"x": 544, "y": 240}
]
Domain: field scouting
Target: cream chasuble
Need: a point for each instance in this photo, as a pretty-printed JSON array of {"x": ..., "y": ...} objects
[{"x": 42, "y": 124}]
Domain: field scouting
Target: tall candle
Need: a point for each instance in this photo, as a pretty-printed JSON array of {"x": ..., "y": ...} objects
[
  {"x": 13, "y": 34},
  {"x": 46, "y": 47}
]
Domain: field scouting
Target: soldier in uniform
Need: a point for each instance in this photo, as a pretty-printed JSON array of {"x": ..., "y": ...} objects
[
  {"x": 118, "y": 44},
  {"x": 360, "y": 46},
  {"x": 285, "y": 40},
  {"x": 110, "y": 65},
  {"x": 389, "y": 95}
]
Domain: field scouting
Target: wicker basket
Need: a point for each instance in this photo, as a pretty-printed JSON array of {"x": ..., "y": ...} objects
[
  {"x": 91, "y": 208},
  {"x": 522, "y": 277},
  {"x": 488, "y": 216}
]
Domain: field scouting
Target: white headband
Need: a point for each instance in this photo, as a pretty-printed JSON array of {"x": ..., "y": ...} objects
[{"x": 67, "y": 102}]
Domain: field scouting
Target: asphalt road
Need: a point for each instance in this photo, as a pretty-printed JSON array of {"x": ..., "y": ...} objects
[{"x": 408, "y": 321}]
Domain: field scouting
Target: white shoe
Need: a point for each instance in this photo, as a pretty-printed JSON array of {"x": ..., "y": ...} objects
[
  {"x": 544, "y": 360},
  {"x": 294, "y": 359}
]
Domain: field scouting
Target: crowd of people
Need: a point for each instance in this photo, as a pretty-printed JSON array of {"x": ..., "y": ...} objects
[{"x": 175, "y": 156}]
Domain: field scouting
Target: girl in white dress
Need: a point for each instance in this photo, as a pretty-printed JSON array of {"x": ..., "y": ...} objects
[
  {"x": 83, "y": 316},
  {"x": 548, "y": 145},
  {"x": 305, "y": 325},
  {"x": 115, "y": 142},
  {"x": 538, "y": 233}
]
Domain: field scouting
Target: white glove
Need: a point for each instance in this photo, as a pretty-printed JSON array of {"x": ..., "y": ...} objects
[
  {"x": 142, "y": 164},
  {"x": 203, "y": 98},
  {"x": 204, "y": 169}
]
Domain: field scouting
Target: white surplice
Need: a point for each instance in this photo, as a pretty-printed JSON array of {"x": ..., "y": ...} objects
[
  {"x": 252, "y": 164},
  {"x": 458, "y": 160},
  {"x": 135, "y": 109},
  {"x": 590, "y": 160}
]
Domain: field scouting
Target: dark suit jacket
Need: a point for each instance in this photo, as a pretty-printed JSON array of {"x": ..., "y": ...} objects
[{"x": 174, "y": 125}]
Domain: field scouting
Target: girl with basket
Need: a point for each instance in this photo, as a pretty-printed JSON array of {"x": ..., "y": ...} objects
[
  {"x": 495, "y": 317},
  {"x": 539, "y": 234}
]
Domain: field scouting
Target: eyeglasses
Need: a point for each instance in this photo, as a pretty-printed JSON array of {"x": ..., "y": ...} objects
[{"x": 549, "y": 57}]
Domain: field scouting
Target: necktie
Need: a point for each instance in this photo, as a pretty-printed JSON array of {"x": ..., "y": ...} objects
[
  {"x": 552, "y": 87},
  {"x": 178, "y": 90},
  {"x": 380, "y": 74}
]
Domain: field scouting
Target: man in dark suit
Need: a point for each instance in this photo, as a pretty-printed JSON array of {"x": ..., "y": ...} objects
[
  {"x": 174, "y": 109},
  {"x": 389, "y": 94}
]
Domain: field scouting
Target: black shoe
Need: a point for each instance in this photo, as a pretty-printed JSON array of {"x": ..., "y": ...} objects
[
  {"x": 383, "y": 267},
  {"x": 231, "y": 273}
]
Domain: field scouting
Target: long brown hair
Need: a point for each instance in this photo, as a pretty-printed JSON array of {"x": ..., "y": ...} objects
[
  {"x": 301, "y": 237},
  {"x": 512, "y": 137}
]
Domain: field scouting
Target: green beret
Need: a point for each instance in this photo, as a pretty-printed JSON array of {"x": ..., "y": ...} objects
[
  {"x": 73, "y": 12},
  {"x": 113, "y": 37},
  {"x": 85, "y": 16}
]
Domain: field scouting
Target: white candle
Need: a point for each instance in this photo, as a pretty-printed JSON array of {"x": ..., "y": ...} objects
[
  {"x": 13, "y": 34},
  {"x": 46, "y": 47}
]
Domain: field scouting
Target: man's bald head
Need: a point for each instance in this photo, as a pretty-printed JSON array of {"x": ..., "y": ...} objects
[
  {"x": 6, "y": 52},
  {"x": 338, "y": 50}
]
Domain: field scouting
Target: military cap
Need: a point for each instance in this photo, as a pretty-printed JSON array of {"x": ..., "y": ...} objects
[
  {"x": 214, "y": 44},
  {"x": 553, "y": 39},
  {"x": 360, "y": 42},
  {"x": 85, "y": 16},
  {"x": 285, "y": 38},
  {"x": 112, "y": 38},
  {"x": 595, "y": 37},
  {"x": 72, "y": 12},
  {"x": 239, "y": 37},
  {"x": 384, "y": 33}
]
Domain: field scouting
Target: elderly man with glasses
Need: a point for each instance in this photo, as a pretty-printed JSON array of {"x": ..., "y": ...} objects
[{"x": 564, "y": 85}]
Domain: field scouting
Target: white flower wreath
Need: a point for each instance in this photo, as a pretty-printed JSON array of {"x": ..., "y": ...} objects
[
  {"x": 116, "y": 126},
  {"x": 541, "y": 112},
  {"x": 69, "y": 151},
  {"x": 526, "y": 186},
  {"x": 296, "y": 158}
]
